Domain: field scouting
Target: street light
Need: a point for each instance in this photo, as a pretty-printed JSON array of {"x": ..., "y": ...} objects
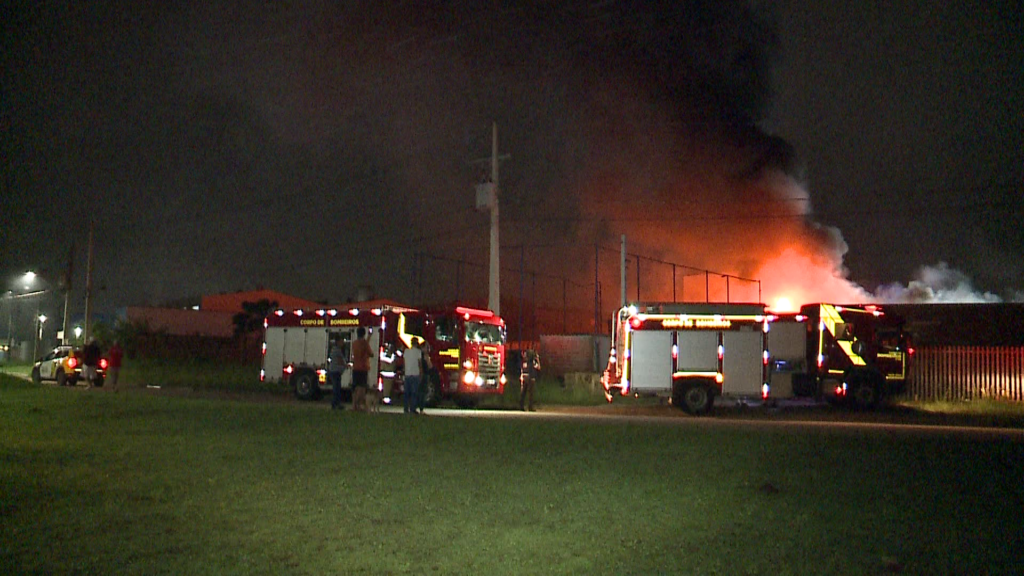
[
  {"x": 39, "y": 336},
  {"x": 26, "y": 281}
]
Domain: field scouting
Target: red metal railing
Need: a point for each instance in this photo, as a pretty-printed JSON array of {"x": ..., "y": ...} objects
[{"x": 967, "y": 373}]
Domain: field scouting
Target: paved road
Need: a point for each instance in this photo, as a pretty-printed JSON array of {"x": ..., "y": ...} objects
[
  {"x": 831, "y": 420},
  {"x": 892, "y": 421}
]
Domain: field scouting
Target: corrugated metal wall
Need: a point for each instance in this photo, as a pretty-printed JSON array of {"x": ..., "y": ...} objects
[{"x": 967, "y": 372}]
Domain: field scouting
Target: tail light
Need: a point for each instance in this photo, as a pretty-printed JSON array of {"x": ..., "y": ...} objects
[
  {"x": 72, "y": 362},
  {"x": 103, "y": 363}
]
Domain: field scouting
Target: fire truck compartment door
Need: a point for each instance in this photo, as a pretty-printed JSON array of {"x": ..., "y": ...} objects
[
  {"x": 305, "y": 346},
  {"x": 273, "y": 360},
  {"x": 742, "y": 362},
  {"x": 787, "y": 342},
  {"x": 698, "y": 352},
  {"x": 651, "y": 361}
]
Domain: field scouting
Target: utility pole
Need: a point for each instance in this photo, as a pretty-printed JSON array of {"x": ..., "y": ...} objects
[
  {"x": 494, "y": 293},
  {"x": 67, "y": 292},
  {"x": 597, "y": 297},
  {"x": 88, "y": 285},
  {"x": 622, "y": 269},
  {"x": 487, "y": 194}
]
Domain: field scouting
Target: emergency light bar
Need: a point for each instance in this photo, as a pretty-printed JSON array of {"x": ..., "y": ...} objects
[{"x": 473, "y": 311}]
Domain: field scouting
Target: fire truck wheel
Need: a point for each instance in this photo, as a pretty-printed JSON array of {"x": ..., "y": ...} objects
[
  {"x": 693, "y": 397},
  {"x": 305, "y": 386},
  {"x": 865, "y": 393}
]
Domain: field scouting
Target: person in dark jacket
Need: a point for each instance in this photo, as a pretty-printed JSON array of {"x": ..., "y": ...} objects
[
  {"x": 528, "y": 379},
  {"x": 90, "y": 361},
  {"x": 336, "y": 363}
]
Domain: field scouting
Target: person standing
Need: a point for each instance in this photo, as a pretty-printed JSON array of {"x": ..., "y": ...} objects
[
  {"x": 426, "y": 366},
  {"x": 412, "y": 360},
  {"x": 360, "y": 369},
  {"x": 114, "y": 356},
  {"x": 335, "y": 368},
  {"x": 90, "y": 360},
  {"x": 528, "y": 379}
]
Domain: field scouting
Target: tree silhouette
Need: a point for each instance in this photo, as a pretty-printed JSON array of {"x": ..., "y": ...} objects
[{"x": 250, "y": 319}]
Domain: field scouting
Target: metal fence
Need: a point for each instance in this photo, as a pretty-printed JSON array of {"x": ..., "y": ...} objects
[{"x": 967, "y": 373}]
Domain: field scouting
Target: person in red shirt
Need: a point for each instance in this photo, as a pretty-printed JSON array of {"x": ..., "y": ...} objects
[
  {"x": 114, "y": 356},
  {"x": 360, "y": 369}
]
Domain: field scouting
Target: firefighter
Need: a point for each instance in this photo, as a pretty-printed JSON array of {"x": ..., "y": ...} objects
[{"x": 528, "y": 379}]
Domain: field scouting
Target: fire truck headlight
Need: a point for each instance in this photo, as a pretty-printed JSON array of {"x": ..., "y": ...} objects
[
  {"x": 468, "y": 364},
  {"x": 503, "y": 380},
  {"x": 468, "y": 377},
  {"x": 479, "y": 380}
]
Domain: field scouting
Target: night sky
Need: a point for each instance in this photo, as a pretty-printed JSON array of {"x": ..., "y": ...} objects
[{"x": 835, "y": 151}]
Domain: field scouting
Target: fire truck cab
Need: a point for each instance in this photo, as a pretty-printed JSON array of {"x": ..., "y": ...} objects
[
  {"x": 855, "y": 354},
  {"x": 467, "y": 350},
  {"x": 691, "y": 352}
]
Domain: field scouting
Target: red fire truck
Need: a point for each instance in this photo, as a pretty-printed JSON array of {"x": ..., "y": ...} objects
[
  {"x": 691, "y": 352},
  {"x": 843, "y": 354},
  {"x": 466, "y": 346},
  {"x": 467, "y": 350}
]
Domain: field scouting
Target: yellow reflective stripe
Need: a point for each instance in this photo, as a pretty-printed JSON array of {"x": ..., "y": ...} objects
[
  {"x": 854, "y": 357},
  {"x": 627, "y": 357},
  {"x": 453, "y": 352},
  {"x": 402, "y": 335},
  {"x": 830, "y": 316},
  {"x": 694, "y": 374}
]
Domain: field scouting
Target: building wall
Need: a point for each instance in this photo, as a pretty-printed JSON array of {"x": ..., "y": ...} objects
[{"x": 564, "y": 354}]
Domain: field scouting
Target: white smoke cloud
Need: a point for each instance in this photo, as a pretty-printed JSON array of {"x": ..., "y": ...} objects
[{"x": 936, "y": 284}]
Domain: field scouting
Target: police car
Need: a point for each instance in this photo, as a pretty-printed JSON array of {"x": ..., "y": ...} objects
[{"x": 64, "y": 365}]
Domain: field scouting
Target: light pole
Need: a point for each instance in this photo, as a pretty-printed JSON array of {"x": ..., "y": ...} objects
[
  {"x": 41, "y": 319},
  {"x": 26, "y": 281},
  {"x": 10, "y": 324}
]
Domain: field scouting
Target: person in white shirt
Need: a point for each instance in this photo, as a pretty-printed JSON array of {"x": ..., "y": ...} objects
[{"x": 413, "y": 360}]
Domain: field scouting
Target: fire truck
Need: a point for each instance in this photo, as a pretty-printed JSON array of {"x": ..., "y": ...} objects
[
  {"x": 466, "y": 347},
  {"x": 467, "y": 351},
  {"x": 855, "y": 354},
  {"x": 690, "y": 352}
]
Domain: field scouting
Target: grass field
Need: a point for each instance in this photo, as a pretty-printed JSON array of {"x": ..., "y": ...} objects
[{"x": 132, "y": 483}]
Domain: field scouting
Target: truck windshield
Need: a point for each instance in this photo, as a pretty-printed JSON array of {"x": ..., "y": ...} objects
[{"x": 485, "y": 333}]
